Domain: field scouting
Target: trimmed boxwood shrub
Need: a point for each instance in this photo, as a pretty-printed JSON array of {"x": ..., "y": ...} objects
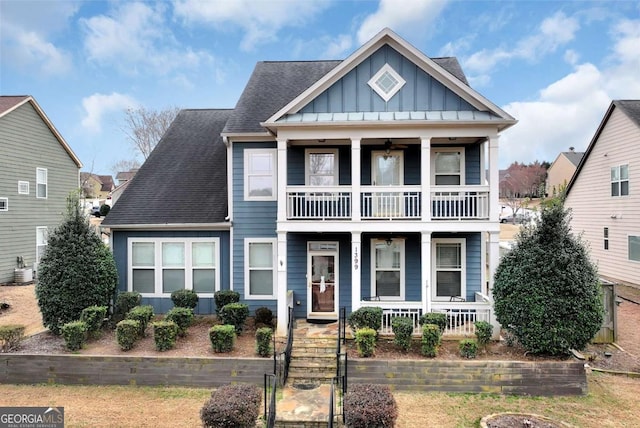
[
  {"x": 222, "y": 338},
  {"x": 431, "y": 339},
  {"x": 164, "y": 334},
  {"x": 11, "y": 336},
  {"x": 185, "y": 298},
  {"x": 183, "y": 317},
  {"x": 264, "y": 317},
  {"x": 484, "y": 330},
  {"x": 94, "y": 317},
  {"x": 546, "y": 289},
  {"x": 367, "y": 405},
  {"x": 143, "y": 314},
  {"x": 223, "y": 297},
  {"x": 366, "y": 317},
  {"x": 402, "y": 330},
  {"x": 366, "y": 341},
  {"x": 125, "y": 301},
  {"x": 75, "y": 334},
  {"x": 232, "y": 406},
  {"x": 437, "y": 318},
  {"x": 235, "y": 314},
  {"x": 127, "y": 332},
  {"x": 264, "y": 335},
  {"x": 468, "y": 348}
]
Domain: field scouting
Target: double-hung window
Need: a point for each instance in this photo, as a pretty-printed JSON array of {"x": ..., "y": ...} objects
[
  {"x": 260, "y": 174},
  {"x": 620, "y": 180},
  {"x": 259, "y": 274},
  {"x": 41, "y": 183},
  {"x": 41, "y": 242},
  {"x": 388, "y": 271},
  {"x": 449, "y": 273},
  {"x": 4, "y": 204},
  {"x": 321, "y": 167},
  {"x": 159, "y": 266},
  {"x": 447, "y": 166},
  {"x": 634, "y": 248}
]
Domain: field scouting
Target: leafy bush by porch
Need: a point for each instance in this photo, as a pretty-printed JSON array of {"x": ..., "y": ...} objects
[
  {"x": 76, "y": 271},
  {"x": 484, "y": 330},
  {"x": 468, "y": 348},
  {"x": 264, "y": 335},
  {"x": 182, "y": 317},
  {"x": 367, "y": 405},
  {"x": 127, "y": 333},
  {"x": 222, "y": 338},
  {"x": 235, "y": 314},
  {"x": 223, "y": 297},
  {"x": 185, "y": 298},
  {"x": 366, "y": 317},
  {"x": 164, "y": 334},
  {"x": 75, "y": 334},
  {"x": 125, "y": 301},
  {"x": 402, "y": 330},
  {"x": 264, "y": 316},
  {"x": 143, "y": 314},
  {"x": 94, "y": 317},
  {"x": 366, "y": 341},
  {"x": 546, "y": 289},
  {"x": 232, "y": 406},
  {"x": 431, "y": 339},
  {"x": 436, "y": 318}
]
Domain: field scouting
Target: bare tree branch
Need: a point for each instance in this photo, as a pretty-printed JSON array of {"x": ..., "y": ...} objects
[
  {"x": 144, "y": 127},
  {"x": 124, "y": 165}
]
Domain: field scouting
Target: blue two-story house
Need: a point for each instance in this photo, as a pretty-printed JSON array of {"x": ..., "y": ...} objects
[{"x": 367, "y": 181}]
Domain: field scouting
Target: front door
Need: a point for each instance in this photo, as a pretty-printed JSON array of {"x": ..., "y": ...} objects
[
  {"x": 322, "y": 276},
  {"x": 387, "y": 170}
]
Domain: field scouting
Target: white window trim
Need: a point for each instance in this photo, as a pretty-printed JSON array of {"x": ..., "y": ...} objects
[
  {"x": 274, "y": 173},
  {"x": 46, "y": 183},
  {"x": 436, "y": 150},
  {"x": 373, "y": 291},
  {"x": 46, "y": 242},
  {"x": 463, "y": 268},
  {"x": 6, "y": 204},
  {"x": 158, "y": 267},
  {"x": 247, "y": 289},
  {"x": 383, "y": 153},
  {"x": 23, "y": 187},
  {"x": 386, "y": 96},
  {"x": 628, "y": 253},
  {"x": 307, "y": 164},
  {"x": 619, "y": 180}
]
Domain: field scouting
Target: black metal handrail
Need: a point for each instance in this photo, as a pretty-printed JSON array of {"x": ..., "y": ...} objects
[
  {"x": 331, "y": 405},
  {"x": 282, "y": 360},
  {"x": 270, "y": 385}
]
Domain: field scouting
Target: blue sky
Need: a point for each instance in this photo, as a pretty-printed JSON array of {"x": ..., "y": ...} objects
[{"x": 555, "y": 66}]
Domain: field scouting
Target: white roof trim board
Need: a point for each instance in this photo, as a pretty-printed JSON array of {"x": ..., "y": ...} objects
[{"x": 429, "y": 116}]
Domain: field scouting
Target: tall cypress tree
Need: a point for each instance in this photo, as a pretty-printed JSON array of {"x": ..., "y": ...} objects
[
  {"x": 546, "y": 290},
  {"x": 76, "y": 271}
]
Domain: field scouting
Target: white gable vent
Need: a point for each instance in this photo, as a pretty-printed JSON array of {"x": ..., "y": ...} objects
[{"x": 386, "y": 82}]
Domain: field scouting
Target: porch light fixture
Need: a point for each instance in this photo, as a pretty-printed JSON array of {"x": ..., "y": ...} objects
[
  {"x": 388, "y": 241},
  {"x": 387, "y": 147}
]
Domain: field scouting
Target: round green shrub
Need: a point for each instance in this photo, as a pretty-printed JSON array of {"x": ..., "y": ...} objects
[
  {"x": 468, "y": 348},
  {"x": 223, "y": 297},
  {"x": 143, "y": 314},
  {"x": 164, "y": 334},
  {"x": 94, "y": 317},
  {"x": 125, "y": 301},
  {"x": 366, "y": 341},
  {"x": 235, "y": 314},
  {"x": 182, "y": 317},
  {"x": 76, "y": 271},
  {"x": 185, "y": 298},
  {"x": 431, "y": 339},
  {"x": 75, "y": 334},
  {"x": 127, "y": 333},
  {"x": 546, "y": 289},
  {"x": 402, "y": 329},
  {"x": 484, "y": 330},
  {"x": 222, "y": 337},
  {"x": 367, "y": 405},
  {"x": 437, "y": 318},
  {"x": 232, "y": 406},
  {"x": 264, "y": 336},
  {"x": 104, "y": 210},
  {"x": 264, "y": 316},
  {"x": 366, "y": 317}
]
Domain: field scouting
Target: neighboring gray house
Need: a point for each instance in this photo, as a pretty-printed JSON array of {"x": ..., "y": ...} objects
[
  {"x": 604, "y": 194},
  {"x": 350, "y": 183},
  {"x": 38, "y": 170}
]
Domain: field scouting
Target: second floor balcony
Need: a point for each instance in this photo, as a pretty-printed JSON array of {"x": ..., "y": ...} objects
[{"x": 388, "y": 203}]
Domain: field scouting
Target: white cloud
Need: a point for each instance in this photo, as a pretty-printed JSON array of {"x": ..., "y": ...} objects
[
  {"x": 97, "y": 106},
  {"x": 260, "y": 21},
  {"x": 338, "y": 46},
  {"x": 414, "y": 16},
  {"x": 135, "y": 38},
  {"x": 571, "y": 57}
]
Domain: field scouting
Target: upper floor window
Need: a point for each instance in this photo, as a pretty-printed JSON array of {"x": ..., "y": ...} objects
[
  {"x": 447, "y": 167},
  {"x": 4, "y": 204},
  {"x": 260, "y": 174},
  {"x": 634, "y": 248},
  {"x": 41, "y": 183},
  {"x": 321, "y": 166},
  {"x": 620, "y": 180},
  {"x": 23, "y": 187}
]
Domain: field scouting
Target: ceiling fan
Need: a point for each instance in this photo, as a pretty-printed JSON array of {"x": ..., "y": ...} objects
[{"x": 388, "y": 146}]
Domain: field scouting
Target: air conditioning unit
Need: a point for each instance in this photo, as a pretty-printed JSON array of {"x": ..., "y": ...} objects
[{"x": 20, "y": 276}]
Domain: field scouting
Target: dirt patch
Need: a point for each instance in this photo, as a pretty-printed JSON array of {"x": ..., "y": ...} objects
[{"x": 24, "y": 308}]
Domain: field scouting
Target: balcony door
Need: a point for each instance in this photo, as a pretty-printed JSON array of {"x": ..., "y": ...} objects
[
  {"x": 322, "y": 277},
  {"x": 387, "y": 170}
]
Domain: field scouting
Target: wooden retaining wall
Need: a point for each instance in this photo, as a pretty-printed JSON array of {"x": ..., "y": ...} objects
[
  {"x": 125, "y": 370},
  {"x": 499, "y": 377}
]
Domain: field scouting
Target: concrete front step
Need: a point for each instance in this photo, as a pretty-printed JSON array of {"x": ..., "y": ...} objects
[{"x": 304, "y": 377}]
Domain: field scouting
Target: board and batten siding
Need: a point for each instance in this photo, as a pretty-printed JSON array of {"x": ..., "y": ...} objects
[
  {"x": 593, "y": 207},
  {"x": 251, "y": 219},
  {"x": 161, "y": 305},
  {"x": 27, "y": 143},
  {"x": 421, "y": 92}
]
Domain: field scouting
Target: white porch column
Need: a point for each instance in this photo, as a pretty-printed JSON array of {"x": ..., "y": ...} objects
[
  {"x": 282, "y": 179},
  {"x": 425, "y": 177},
  {"x": 355, "y": 180},
  {"x": 281, "y": 261},
  {"x": 356, "y": 271},
  {"x": 494, "y": 259},
  {"x": 494, "y": 180},
  {"x": 425, "y": 271}
]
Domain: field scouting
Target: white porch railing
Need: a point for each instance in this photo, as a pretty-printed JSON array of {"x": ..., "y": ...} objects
[
  {"x": 391, "y": 202},
  {"x": 468, "y": 202},
  {"x": 461, "y": 316},
  {"x": 307, "y": 202}
]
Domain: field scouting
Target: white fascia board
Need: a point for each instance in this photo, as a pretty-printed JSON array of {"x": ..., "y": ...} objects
[
  {"x": 171, "y": 226},
  {"x": 500, "y": 125},
  {"x": 234, "y": 137},
  {"x": 387, "y": 226}
]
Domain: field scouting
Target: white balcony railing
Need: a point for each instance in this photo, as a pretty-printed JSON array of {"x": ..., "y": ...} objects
[
  {"x": 456, "y": 202},
  {"x": 388, "y": 202}
]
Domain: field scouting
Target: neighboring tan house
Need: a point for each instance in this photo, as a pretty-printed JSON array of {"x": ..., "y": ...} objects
[
  {"x": 125, "y": 176},
  {"x": 331, "y": 184},
  {"x": 561, "y": 170},
  {"x": 604, "y": 194},
  {"x": 96, "y": 186},
  {"x": 38, "y": 171}
]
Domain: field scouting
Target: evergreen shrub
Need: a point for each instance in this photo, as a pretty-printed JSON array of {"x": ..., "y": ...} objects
[
  {"x": 164, "y": 334},
  {"x": 366, "y": 341},
  {"x": 468, "y": 348},
  {"x": 431, "y": 339},
  {"x": 127, "y": 333},
  {"x": 143, "y": 314},
  {"x": 222, "y": 337},
  {"x": 94, "y": 317},
  {"x": 367, "y": 405},
  {"x": 264, "y": 336},
  {"x": 235, "y": 314},
  {"x": 366, "y": 317},
  {"x": 437, "y": 318},
  {"x": 182, "y": 316},
  {"x": 232, "y": 406},
  {"x": 11, "y": 336},
  {"x": 185, "y": 298},
  {"x": 74, "y": 334},
  {"x": 402, "y": 329},
  {"x": 224, "y": 297}
]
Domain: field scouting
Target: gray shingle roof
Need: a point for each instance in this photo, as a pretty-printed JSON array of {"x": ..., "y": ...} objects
[
  {"x": 631, "y": 108},
  {"x": 273, "y": 84},
  {"x": 184, "y": 180},
  {"x": 9, "y": 101},
  {"x": 574, "y": 157}
]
